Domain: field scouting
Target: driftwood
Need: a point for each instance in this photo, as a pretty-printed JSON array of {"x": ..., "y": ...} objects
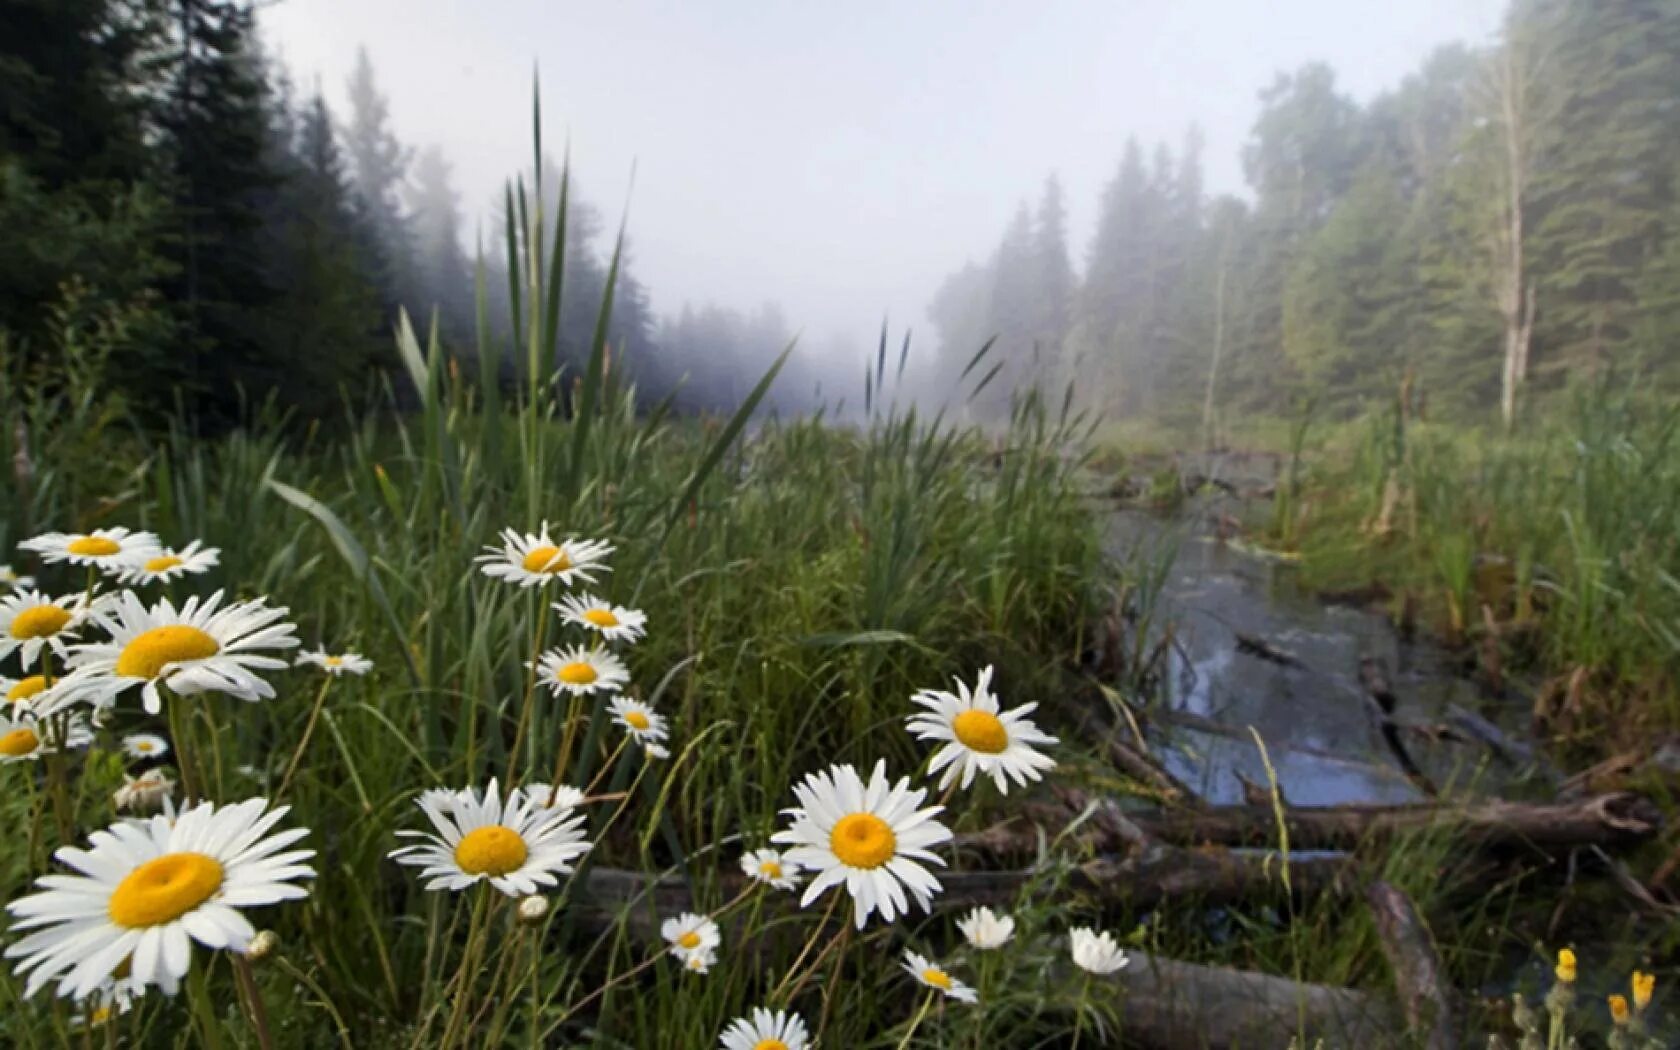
[
  {"x": 1610, "y": 821},
  {"x": 1261, "y": 649},
  {"x": 1165, "y": 1003},
  {"x": 1426, "y": 998},
  {"x": 1613, "y": 820}
]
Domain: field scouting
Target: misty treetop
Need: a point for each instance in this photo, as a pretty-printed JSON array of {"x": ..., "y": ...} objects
[
  {"x": 174, "y": 203},
  {"x": 1504, "y": 219}
]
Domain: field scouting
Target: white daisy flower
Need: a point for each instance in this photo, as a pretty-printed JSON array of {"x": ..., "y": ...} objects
[
  {"x": 518, "y": 846},
  {"x": 30, "y": 690},
  {"x": 165, "y": 564},
  {"x": 870, "y": 838},
  {"x": 645, "y": 725},
  {"x": 984, "y": 929},
  {"x": 771, "y": 868},
  {"x": 700, "y": 962},
  {"x": 25, "y": 736},
  {"x": 545, "y": 796},
  {"x": 109, "y": 550},
  {"x": 689, "y": 933},
  {"x": 932, "y": 975},
  {"x": 1098, "y": 953},
  {"x": 12, "y": 581},
  {"x": 766, "y": 1030},
  {"x": 582, "y": 671},
  {"x": 114, "y": 997},
  {"x": 145, "y": 793},
  {"x": 30, "y": 621},
  {"x": 979, "y": 739},
  {"x": 147, "y": 889},
  {"x": 342, "y": 664},
  {"x": 656, "y": 751},
  {"x": 615, "y": 623},
  {"x": 140, "y": 746},
  {"x": 533, "y": 559},
  {"x": 200, "y": 647}
]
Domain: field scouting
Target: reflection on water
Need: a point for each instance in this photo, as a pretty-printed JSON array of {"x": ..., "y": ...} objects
[{"x": 1320, "y": 729}]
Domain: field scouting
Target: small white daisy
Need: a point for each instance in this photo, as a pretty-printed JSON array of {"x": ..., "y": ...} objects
[
  {"x": 1099, "y": 953},
  {"x": 12, "y": 581},
  {"x": 545, "y": 796},
  {"x": 30, "y": 690},
  {"x": 164, "y": 564},
  {"x": 984, "y": 929},
  {"x": 581, "y": 671},
  {"x": 25, "y": 736},
  {"x": 200, "y": 647},
  {"x": 700, "y": 962},
  {"x": 978, "y": 738},
  {"x": 689, "y": 933},
  {"x": 871, "y": 839},
  {"x": 147, "y": 889},
  {"x": 534, "y": 559},
  {"x": 932, "y": 975},
  {"x": 114, "y": 997},
  {"x": 109, "y": 550},
  {"x": 140, "y": 746},
  {"x": 645, "y": 725},
  {"x": 145, "y": 793},
  {"x": 517, "y": 846},
  {"x": 771, "y": 868},
  {"x": 656, "y": 751},
  {"x": 615, "y": 623},
  {"x": 342, "y": 664},
  {"x": 30, "y": 621},
  {"x": 766, "y": 1030}
]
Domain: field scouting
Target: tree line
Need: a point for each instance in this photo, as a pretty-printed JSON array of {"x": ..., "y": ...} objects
[
  {"x": 177, "y": 206},
  {"x": 1503, "y": 220}
]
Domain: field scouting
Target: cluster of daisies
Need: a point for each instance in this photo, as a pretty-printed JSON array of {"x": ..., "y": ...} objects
[
  {"x": 147, "y": 887},
  {"x": 125, "y": 916}
]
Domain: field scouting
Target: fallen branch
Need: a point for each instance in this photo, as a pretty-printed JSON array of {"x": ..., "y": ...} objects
[
  {"x": 1166, "y": 1003},
  {"x": 1426, "y": 997},
  {"x": 1614, "y": 820}
]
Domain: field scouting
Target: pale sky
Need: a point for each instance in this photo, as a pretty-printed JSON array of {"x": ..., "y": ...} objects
[{"x": 840, "y": 158}]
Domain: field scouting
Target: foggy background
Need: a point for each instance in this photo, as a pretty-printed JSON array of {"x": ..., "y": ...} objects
[{"x": 838, "y": 162}]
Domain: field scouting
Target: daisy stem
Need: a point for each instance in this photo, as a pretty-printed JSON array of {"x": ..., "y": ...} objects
[
  {"x": 303, "y": 744},
  {"x": 251, "y": 996},
  {"x": 530, "y": 694},
  {"x": 816, "y": 931},
  {"x": 831, "y": 989},
  {"x": 606, "y": 767},
  {"x": 477, "y": 929},
  {"x": 573, "y": 710},
  {"x": 178, "y": 735},
  {"x": 203, "y": 1008},
  {"x": 597, "y": 993},
  {"x": 916, "y": 1022}
]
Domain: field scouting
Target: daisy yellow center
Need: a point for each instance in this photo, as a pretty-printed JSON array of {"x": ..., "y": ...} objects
[
  {"x": 690, "y": 940},
  {"x": 26, "y": 688},
  {"x": 93, "y": 546},
  {"x": 163, "y": 563},
  {"x": 144, "y": 746},
  {"x": 333, "y": 661},
  {"x": 601, "y": 617},
  {"x": 862, "y": 840},
  {"x": 19, "y": 742},
  {"x": 547, "y": 559},
  {"x": 636, "y": 720},
  {"x": 770, "y": 870},
  {"x": 40, "y": 621},
  {"x": 578, "y": 672},
  {"x": 492, "y": 850},
  {"x": 980, "y": 731},
  {"x": 938, "y": 978},
  {"x": 150, "y": 652},
  {"x": 100, "y": 1015},
  {"x": 164, "y": 889},
  {"x": 770, "y": 1044}
]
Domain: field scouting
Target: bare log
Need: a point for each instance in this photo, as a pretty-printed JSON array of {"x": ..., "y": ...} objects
[
  {"x": 1426, "y": 997},
  {"x": 1613, "y": 820},
  {"x": 1166, "y": 1003}
]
